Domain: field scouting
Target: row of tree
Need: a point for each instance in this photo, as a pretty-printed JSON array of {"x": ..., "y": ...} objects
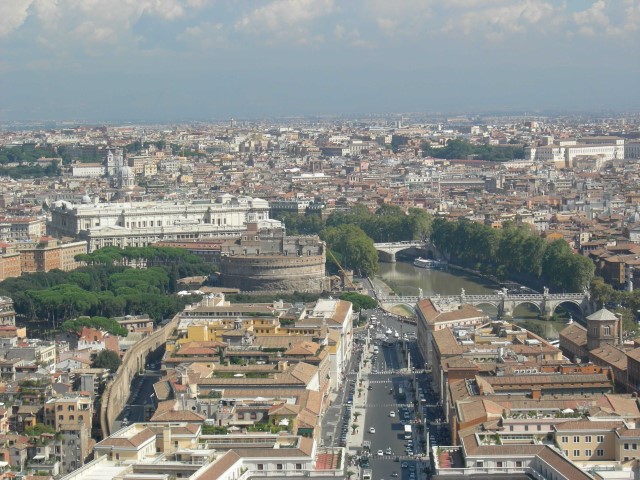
[
  {"x": 513, "y": 250},
  {"x": 461, "y": 149},
  {"x": 106, "y": 288},
  {"x": 389, "y": 223},
  {"x": 351, "y": 235},
  {"x": 102, "y": 323}
]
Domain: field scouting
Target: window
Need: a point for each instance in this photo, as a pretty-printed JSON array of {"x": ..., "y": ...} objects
[
  {"x": 511, "y": 428},
  {"x": 600, "y": 452},
  {"x": 253, "y": 415},
  {"x": 626, "y": 446},
  {"x": 261, "y": 466},
  {"x": 600, "y": 438},
  {"x": 241, "y": 416},
  {"x": 298, "y": 466},
  {"x": 576, "y": 453},
  {"x": 499, "y": 464},
  {"x": 539, "y": 427},
  {"x": 518, "y": 463},
  {"x": 566, "y": 453},
  {"x": 576, "y": 439},
  {"x": 607, "y": 330},
  {"x": 634, "y": 446},
  {"x": 480, "y": 463},
  {"x": 587, "y": 439},
  {"x": 565, "y": 439},
  {"x": 526, "y": 428},
  {"x": 278, "y": 466}
]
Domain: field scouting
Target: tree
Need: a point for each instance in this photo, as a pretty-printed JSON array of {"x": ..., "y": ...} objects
[
  {"x": 106, "y": 359},
  {"x": 355, "y": 248},
  {"x": 354, "y": 427},
  {"x": 359, "y": 301}
]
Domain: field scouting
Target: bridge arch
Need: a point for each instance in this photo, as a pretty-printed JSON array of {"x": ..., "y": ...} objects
[
  {"x": 577, "y": 307},
  {"x": 528, "y": 303},
  {"x": 490, "y": 308}
]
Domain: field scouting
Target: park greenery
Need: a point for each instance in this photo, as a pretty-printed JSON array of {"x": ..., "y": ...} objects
[
  {"x": 106, "y": 287},
  {"x": 100, "y": 323},
  {"x": 461, "y": 149},
  {"x": 21, "y": 161},
  {"x": 514, "y": 251}
]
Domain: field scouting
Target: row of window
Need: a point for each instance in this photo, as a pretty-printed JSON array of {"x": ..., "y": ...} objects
[
  {"x": 587, "y": 439},
  {"x": 279, "y": 466},
  {"x": 587, "y": 453}
]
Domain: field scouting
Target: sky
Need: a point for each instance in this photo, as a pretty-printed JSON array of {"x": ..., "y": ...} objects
[{"x": 200, "y": 60}]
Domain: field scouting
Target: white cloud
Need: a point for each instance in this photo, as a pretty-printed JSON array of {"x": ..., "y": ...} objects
[
  {"x": 13, "y": 14},
  {"x": 498, "y": 20},
  {"x": 593, "y": 20},
  {"x": 285, "y": 19},
  {"x": 204, "y": 36}
]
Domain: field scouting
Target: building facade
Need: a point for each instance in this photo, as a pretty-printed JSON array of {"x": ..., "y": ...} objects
[{"x": 137, "y": 224}]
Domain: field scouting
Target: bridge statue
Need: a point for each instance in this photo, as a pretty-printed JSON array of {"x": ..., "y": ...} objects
[
  {"x": 420, "y": 294},
  {"x": 545, "y": 291}
]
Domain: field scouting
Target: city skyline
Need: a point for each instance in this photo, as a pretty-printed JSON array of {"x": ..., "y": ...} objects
[{"x": 179, "y": 60}]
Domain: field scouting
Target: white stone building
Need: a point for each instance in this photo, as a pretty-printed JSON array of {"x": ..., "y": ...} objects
[{"x": 137, "y": 224}]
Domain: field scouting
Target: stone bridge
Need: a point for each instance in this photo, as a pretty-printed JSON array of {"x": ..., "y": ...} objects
[
  {"x": 387, "y": 251},
  {"x": 504, "y": 302}
]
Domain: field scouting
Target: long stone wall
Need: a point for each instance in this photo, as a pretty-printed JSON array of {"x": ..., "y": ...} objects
[{"x": 117, "y": 392}]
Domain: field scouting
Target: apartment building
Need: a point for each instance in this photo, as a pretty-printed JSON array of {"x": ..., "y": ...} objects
[
  {"x": 7, "y": 312},
  {"x": 49, "y": 254},
  {"x": 14, "y": 229}
]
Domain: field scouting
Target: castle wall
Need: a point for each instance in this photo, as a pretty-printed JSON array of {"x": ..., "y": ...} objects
[{"x": 274, "y": 272}]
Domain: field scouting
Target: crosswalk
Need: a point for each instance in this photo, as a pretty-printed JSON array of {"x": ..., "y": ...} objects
[
  {"x": 386, "y": 405},
  {"x": 401, "y": 458}
]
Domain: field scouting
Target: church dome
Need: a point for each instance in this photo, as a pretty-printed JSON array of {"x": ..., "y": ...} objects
[{"x": 86, "y": 199}]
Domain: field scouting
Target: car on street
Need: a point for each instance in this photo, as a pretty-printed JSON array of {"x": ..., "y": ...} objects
[
  {"x": 389, "y": 451},
  {"x": 394, "y": 474},
  {"x": 392, "y": 414},
  {"x": 380, "y": 453},
  {"x": 372, "y": 430},
  {"x": 404, "y": 465}
]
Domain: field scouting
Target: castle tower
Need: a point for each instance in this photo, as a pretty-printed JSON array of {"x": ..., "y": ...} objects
[{"x": 603, "y": 327}]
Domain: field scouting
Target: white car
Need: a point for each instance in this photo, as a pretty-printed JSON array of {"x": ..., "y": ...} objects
[
  {"x": 380, "y": 453},
  {"x": 389, "y": 451},
  {"x": 392, "y": 414},
  {"x": 372, "y": 430}
]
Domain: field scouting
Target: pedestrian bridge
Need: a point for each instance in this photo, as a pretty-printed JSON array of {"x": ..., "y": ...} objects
[
  {"x": 387, "y": 251},
  {"x": 504, "y": 302}
]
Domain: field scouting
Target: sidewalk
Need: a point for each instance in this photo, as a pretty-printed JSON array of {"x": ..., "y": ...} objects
[{"x": 355, "y": 440}]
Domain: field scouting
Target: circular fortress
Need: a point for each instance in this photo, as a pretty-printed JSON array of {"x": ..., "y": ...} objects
[{"x": 266, "y": 259}]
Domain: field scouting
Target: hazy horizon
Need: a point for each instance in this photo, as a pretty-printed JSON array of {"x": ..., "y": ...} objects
[{"x": 159, "y": 61}]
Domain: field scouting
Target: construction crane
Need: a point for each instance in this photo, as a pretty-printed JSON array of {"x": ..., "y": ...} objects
[{"x": 347, "y": 279}]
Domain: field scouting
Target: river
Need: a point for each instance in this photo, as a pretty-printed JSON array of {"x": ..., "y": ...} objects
[{"x": 406, "y": 279}]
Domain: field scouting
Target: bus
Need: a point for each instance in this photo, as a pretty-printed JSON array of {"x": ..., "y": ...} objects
[
  {"x": 401, "y": 395},
  {"x": 407, "y": 432},
  {"x": 367, "y": 475}
]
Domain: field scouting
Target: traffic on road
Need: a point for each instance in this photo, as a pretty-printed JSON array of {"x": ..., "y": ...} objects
[{"x": 400, "y": 405}]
